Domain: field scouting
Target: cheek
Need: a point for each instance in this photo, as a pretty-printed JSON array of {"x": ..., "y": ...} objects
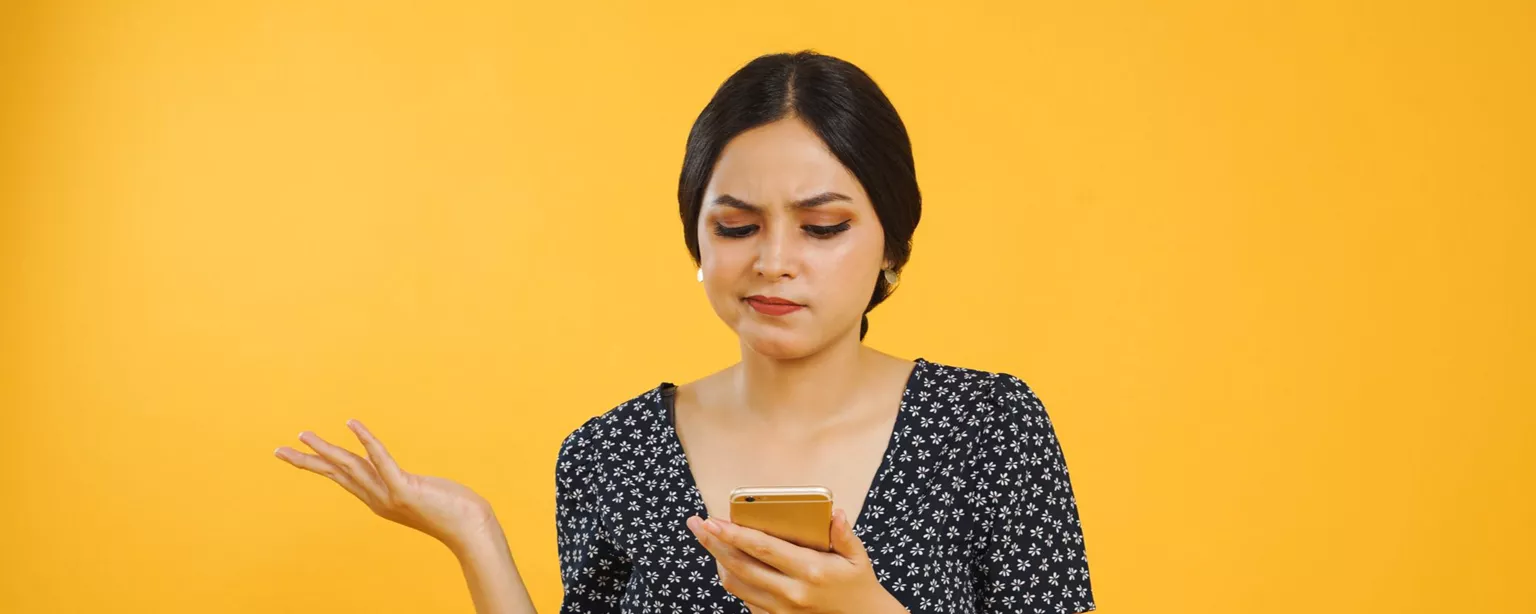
[
  {"x": 850, "y": 269},
  {"x": 723, "y": 254}
]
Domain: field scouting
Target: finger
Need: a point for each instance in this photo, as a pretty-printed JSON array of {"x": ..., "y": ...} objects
[
  {"x": 740, "y": 575},
  {"x": 382, "y": 461},
  {"x": 361, "y": 471},
  {"x": 844, "y": 542},
  {"x": 791, "y": 559},
  {"x": 317, "y": 465},
  {"x": 745, "y": 577},
  {"x": 757, "y": 598}
]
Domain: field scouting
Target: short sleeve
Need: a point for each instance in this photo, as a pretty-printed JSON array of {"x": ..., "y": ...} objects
[
  {"x": 593, "y": 571},
  {"x": 1032, "y": 556}
]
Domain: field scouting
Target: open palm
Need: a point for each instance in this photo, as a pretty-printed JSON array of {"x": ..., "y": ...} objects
[{"x": 441, "y": 508}]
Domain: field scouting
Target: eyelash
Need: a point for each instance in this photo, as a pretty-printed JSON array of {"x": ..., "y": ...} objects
[{"x": 819, "y": 232}]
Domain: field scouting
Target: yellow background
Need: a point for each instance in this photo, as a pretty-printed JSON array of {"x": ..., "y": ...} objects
[{"x": 1267, "y": 264}]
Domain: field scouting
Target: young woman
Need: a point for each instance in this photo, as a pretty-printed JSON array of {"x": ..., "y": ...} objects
[{"x": 798, "y": 201}]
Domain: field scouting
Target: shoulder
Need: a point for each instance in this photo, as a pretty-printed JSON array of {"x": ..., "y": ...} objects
[
  {"x": 994, "y": 399},
  {"x": 612, "y": 427},
  {"x": 1016, "y": 457}
]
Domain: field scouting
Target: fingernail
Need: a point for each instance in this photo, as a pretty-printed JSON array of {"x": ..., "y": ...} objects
[
  {"x": 712, "y": 525},
  {"x": 352, "y": 424},
  {"x": 278, "y": 452},
  {"x": 696, "y": 525}
]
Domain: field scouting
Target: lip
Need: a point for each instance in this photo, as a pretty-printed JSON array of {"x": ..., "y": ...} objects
[
  {"x": 773, "y": 305},
  {"x": 773, "y": 300}
]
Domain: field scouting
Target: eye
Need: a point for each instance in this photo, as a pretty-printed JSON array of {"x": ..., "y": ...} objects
[
  {"x": 734, "y": 232},
  {"x": 825, "y": 232}
]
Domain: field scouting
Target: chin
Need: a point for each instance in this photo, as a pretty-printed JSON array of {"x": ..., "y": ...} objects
[{"x": 778, "y": 343}]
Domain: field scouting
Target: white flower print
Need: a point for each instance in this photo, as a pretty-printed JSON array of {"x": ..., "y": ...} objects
[{"x": 970, "y": 511}]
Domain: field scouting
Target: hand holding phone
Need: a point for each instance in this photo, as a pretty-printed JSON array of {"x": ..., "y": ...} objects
[
  {"x": 801, "y": 515},
  {"x": 769, "y": 567}
]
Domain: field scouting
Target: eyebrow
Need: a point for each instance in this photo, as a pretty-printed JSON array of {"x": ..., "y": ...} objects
[{"x": 726, "y": 200}]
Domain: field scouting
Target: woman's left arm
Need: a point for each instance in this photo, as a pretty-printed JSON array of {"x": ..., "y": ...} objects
[{"x": 1033, "y": 556}]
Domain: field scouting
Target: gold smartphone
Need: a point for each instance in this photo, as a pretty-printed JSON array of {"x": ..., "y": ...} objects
[{"x": 801, "y": 515}]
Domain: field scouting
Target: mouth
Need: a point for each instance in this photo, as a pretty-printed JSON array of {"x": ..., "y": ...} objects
[
  {"x": 772, "y": 305},
  {"x": 772, "y": 300}
]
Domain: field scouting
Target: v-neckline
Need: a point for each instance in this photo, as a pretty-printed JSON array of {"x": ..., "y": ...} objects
[{"x": 667, "y": 397}]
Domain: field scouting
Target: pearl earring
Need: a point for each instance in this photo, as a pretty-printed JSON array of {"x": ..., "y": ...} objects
[
  {"x": 701, "y": 274},
  {"x": 891, "y": 278}
]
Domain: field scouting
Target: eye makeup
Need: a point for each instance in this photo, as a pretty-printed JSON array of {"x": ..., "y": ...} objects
[
  {"x": 819, "y": 232},
  {"x": 827, "y": 232},
  {"x": 734, "y": 232}
]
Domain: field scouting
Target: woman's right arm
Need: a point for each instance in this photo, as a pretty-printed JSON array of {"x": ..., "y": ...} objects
[
  {"x": 443, "y": 509},
  {"x": 494, "y": 583}
]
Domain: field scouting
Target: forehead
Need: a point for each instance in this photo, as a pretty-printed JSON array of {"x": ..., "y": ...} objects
[{"x": 780, "y": 162}]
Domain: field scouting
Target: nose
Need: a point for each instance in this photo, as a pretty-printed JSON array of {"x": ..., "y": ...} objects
[{"x": 777, "y": 253}]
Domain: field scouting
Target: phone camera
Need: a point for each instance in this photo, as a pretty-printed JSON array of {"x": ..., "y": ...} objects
[{"x": 751, "y": 499}]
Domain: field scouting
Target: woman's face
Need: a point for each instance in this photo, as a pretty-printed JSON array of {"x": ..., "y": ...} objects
[{"x": 789, "y": 242}]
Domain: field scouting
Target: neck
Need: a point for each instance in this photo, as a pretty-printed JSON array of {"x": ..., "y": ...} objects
[{"x": 809, "y": 391}]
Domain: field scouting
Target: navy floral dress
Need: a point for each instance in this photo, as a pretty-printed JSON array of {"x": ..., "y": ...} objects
[{"x": 971, "y": 509}]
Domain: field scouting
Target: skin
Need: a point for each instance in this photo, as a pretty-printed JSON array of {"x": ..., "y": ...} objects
[{"x": 808, "y": 402}]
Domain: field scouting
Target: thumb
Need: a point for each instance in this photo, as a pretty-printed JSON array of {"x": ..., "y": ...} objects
[{"x": 844, "y": 542}]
